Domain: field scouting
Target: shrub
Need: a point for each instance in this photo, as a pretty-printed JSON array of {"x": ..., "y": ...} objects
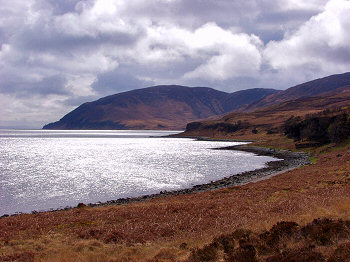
[
  {"x": 207, "y": 253},
  {"x": 245, "y": 253},
  {"x": 325, "y": 231},
  {"x": 322, "y": 129},
  {"x": 281, "y": 231},
  {"x": 301, "y": 255}
]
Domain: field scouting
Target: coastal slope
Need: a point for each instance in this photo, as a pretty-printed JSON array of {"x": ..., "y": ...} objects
[
  {"x": 157, "y": 107},
  {"x": 332, "y": 97},
  {"x": 312, "y": 88}
]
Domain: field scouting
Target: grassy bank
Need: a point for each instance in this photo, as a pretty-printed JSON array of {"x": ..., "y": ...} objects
[{"x": 170, "y": 229}]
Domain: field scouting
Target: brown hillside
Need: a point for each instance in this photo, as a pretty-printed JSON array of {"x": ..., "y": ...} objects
[
  {"x": 316, "y": 87},
  {"x": 273, "y": 117},
  {"x": 158, "y": 107}
]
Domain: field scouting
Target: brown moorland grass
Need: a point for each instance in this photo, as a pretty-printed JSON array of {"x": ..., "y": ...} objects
[
  {"x": 319, "y": 240},
  {"x": 167, "y": 229}
]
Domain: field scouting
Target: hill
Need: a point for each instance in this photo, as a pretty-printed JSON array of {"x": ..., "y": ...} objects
[
  {"x": 157, "y": 107},
  {"x": 270, "y": 119},
  {"x": 313, "y": 88}
]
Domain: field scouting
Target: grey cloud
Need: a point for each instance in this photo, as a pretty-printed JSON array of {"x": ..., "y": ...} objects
[
  {"x": 42, "y": 40},
  {"x": 341, "y": 54},
  {"x": 229, "y": 85},
  {"x": 45, "y": 36},
  {"x": 263, "y": 18},
  {"x": 21, "y": 88},
  {"x": 51, "y": 85},
  {"x": 59, "y": 7},
  {"x": 278, "y": 17},
  {"x": 77, "y": 101},
  {"x": 115, "y": 81},
  {"x": 195, "y": 12},
  {"x": 274, "y": 25}
]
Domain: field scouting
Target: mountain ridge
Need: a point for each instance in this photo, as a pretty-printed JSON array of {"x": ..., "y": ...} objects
[{"x": 156, "y": 107}]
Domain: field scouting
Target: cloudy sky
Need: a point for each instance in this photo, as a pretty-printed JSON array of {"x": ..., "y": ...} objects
[{"x": 55, "y": 55}]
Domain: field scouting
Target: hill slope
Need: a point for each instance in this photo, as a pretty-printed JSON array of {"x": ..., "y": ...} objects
[
  {"x": 309, "y": 89},
  {"x": 158, "y": 107},
  {"x": 269, "y": 118}
]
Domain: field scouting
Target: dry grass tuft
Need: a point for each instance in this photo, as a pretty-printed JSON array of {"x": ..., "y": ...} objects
[{"x": 285, "y": 241}]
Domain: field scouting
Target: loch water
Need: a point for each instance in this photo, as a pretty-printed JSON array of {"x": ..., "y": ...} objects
[{"x": 43, "y": 170}]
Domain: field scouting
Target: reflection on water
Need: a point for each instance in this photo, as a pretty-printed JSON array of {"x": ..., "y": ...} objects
[{"x": 40, "y": 170}]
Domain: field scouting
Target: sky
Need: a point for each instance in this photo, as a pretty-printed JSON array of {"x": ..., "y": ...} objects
[{"x": 56, "y": 55}]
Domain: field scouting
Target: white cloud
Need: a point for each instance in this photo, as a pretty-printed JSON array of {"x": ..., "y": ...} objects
[
  {"x": 222, "y": 54},
  {"x": 226, "y": 54},
  {"x": 321, "y": 44}
]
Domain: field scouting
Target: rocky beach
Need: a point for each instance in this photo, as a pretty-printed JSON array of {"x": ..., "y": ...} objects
[{"x": 288, "y": 161}]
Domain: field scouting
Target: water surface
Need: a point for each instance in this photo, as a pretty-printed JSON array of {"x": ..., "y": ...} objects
[{"x": 40, "y": 169}]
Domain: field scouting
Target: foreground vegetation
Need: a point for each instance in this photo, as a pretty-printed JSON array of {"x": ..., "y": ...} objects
[{"x": 285, "y": 241}]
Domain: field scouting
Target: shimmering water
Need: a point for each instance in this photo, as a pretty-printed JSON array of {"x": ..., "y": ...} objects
[{"x": 40, "y": 170}]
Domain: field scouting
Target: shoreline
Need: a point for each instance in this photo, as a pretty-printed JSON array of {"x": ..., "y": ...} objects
[
  {"x": 207, "y": 138},
  {"x": 289, "y": 160}
]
